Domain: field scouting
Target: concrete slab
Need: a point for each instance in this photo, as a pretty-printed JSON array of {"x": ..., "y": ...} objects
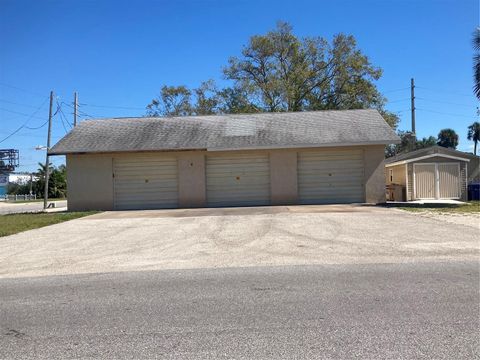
[{"x": 240, "y": 237}]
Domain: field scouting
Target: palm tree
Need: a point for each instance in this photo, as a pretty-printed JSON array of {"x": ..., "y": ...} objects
[
  {"x": 474, "y": 135},
  {"x": 476, "y": 63},
  {"x": 448, "y": 138}
]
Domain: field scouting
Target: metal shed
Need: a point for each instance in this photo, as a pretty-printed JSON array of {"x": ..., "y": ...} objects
[{"x": 432, "y": 173}]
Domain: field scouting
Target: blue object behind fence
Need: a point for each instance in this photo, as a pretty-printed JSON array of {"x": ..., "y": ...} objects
[{"x": 474, "y": 191}]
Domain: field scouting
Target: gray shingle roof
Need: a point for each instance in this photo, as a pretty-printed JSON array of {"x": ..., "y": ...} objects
[
  {"x": 228, "y": 132},
  {"x": 435, "y": 149}
]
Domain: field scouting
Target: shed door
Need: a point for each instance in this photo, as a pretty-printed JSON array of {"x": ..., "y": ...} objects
[
  {"x": 238, "y": 179},
  {"x": 424, "y": 181},
  {"x": 145, "y": 182},
  {"x": 331, "y": 176},
  {"x": 449, "y": 180}
]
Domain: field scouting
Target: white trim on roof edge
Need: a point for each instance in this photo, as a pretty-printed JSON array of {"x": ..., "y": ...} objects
[{"x": 426, "y": 157}]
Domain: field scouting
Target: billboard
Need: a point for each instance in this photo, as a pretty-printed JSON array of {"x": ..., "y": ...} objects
[{"x": 3, "y": 179}]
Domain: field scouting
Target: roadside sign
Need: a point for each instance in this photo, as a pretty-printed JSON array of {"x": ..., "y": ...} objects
[{"x": 3, "y": 179}]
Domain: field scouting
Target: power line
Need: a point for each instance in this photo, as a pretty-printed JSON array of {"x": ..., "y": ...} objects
[
  {"x": 21, "y": 114},
  {"x": 400, "y": 111},
  {"x": 66, "y": 118},
  {"x": 63, "y": 118},
  {"x": 444, "y": 91},
  {"x": 36, "y": 128},
  {"x": 444, "y": 102},
  {"x": 21, "y": 89},
  {"x": 396, "y": 101},
  {"x": 113, "y": 107},
  {"x": 443, "y": 113},
  {"x": 25, "y": 123},
  {"x": 82, "y": 113},
  {"x": 390, "y": 91},
  {"x": 16, "y": 103}
]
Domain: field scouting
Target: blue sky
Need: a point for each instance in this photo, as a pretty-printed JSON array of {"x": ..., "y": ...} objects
[{"x": 119, "y": 53}]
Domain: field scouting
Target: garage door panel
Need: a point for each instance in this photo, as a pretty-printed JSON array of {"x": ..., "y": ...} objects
[
  {"x": 162, "y": 173},
  {"x": 342, "y": 183},
  {"x": 424, "y": 181},
  {"x": 230, "y": 182},
  {"x": 449, "y": 181},
  {"x": 330, "y": 176},
  {"x": 321, "y": 165},
  {"x": 146, "y": 182},
  {"x": 240, "y": 179},
  {"x": 156, "y": 184}
]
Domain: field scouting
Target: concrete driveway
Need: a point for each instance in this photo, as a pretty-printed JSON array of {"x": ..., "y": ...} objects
[{"x": 211, "y": 238}]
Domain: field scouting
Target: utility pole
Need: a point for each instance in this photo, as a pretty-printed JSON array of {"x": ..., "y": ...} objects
[
  {"x": 412, "y": 95},
  {"x": 47, "y": 158},
  {"x": 31, "y": 184},
  {"x": 75, "y": 106}
]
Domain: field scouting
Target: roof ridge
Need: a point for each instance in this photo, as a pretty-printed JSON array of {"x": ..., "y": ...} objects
[{"x": 228, "y": 114}]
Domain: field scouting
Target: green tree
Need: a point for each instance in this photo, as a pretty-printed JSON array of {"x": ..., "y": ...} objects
[
  {"x": 18, "y": 189},
  {"x": 173, "y": 101},
  {"x": 234, "y": 100},
  {"x": 57, "y": 181},
  {"x": 279, "y": 71},
  {"x": 474, "y": 135},
  {"x": 409, "y": 143},
  {"x": 207, "y": 99},
  {"x": 447, "y": 138},
  {"x": 476, "y": 63},
  {"x": 426, "y": 142}
]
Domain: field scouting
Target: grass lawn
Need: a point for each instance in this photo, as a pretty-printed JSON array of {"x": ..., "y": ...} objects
[
  {"x": 471, "y": 207},
  {"x": 15, "y": 223}
]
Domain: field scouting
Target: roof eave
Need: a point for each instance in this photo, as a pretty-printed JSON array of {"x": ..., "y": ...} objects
[
  {"x": 403, "y": 162},
  {"x": 267, "y": 147}
]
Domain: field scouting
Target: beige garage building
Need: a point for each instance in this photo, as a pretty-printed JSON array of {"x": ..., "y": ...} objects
[{"x": 227, "y": 160}]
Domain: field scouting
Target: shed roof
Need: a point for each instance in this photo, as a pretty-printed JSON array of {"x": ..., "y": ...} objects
[
  {"x": 432, "y": 150},
  {"x": 228, "y": 132}
]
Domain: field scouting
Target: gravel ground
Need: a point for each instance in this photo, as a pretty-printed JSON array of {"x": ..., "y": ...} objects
[
  {"x": 213, "y": 238},
  {"x": 472, "y": 220}
]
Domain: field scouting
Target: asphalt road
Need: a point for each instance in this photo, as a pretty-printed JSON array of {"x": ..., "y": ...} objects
[{"x": 394, "y": 311}]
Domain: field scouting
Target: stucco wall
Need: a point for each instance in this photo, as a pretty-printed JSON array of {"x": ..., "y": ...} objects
[
  {"x": 374, "y": 157},
  {"x": 89, "y": 182},
  {"x": 90, "y": 177},
  {"x": 283, "y": 177}
]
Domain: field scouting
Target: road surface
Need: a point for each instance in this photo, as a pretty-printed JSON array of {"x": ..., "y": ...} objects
[{"x": 417, "y": 310}]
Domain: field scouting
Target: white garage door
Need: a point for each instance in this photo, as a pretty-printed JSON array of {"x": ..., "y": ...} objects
[
  {"x": 145, "y": 182},
  {"x": 425, "y": 181},
  {"x": 331, "y": 176},
  {"x": 437, "y": 181},
  {"x": 449, "y": 180},
  {"x": 236, "y": 180}
]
